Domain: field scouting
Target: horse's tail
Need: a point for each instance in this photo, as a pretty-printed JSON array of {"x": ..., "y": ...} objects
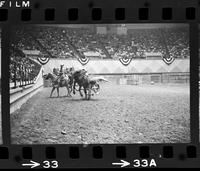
[
  {"x": 99, "y": 79},
  {"x": 103, "y": 79}
]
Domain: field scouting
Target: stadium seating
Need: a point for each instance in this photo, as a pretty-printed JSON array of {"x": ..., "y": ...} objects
[
  {"x": 23, "y": 71},
  {"x": 60, "y": 42},
  {"x": 68, "y": 42}
]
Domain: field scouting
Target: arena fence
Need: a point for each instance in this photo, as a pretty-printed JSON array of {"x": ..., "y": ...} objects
[
  {"x": 141, "y": 78},
  {"x": 23, "y": 74},
  {"x": 148, "y": 78},
  {"x": 20, "y": 95}
]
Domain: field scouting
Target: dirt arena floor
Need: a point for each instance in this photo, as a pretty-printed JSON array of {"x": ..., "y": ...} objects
[{"x": 119, "y": 114}]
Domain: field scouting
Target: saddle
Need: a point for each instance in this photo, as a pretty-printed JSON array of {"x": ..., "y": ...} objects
[{"x": 62, "y": 79}]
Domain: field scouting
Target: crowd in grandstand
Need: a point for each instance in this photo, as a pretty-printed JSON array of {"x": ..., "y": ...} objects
[
  {"x": 62, "y": 42},
  {"x": 22, "y": 68},
  {"x": 68, "y": 42}
]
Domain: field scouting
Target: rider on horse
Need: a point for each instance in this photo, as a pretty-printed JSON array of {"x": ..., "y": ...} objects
[{"x": 60, "y": 74}]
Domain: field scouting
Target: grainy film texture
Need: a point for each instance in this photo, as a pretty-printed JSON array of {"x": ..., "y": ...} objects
[{"x": 100, "y": 83}]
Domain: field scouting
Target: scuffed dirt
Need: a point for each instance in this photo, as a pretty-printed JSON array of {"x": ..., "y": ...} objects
[{"x": 119, "y": 114}]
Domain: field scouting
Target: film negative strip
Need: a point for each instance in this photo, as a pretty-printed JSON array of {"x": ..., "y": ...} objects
[{"x": 99, "y": 84}]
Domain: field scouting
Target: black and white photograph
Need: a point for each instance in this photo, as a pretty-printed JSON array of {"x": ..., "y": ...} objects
[{"x": 99, "y": 83}]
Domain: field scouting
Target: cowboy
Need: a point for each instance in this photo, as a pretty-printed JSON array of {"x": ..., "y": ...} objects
[
  {"x": 60, "y": 74},
  {"x": 55, "y": 71}
]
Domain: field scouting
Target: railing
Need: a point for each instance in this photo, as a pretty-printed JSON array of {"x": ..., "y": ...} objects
[
  {"x": 20, "y": 95},
  {"x": 23, "y": 73}
]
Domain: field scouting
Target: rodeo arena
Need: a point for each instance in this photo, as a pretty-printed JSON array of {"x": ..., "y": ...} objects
[{"x": 100, "y": 84}]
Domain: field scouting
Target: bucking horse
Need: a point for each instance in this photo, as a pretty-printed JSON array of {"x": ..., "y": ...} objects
[
  {"x": 81, "y": 78},
  {"x": 86, "y": 82}
]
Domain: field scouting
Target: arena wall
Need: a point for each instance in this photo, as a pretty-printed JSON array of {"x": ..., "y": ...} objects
[
  {"x": 20, "y": 95},
  {"x": 115, "y": 66},
  {"x": 137, "y": 72}
]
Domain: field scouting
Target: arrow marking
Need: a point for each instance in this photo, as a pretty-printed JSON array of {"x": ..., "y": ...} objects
[
  {"x": 123, "y": 164},
  {"x": 32, "y": 164}
]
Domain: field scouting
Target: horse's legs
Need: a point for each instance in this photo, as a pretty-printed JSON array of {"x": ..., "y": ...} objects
[
  {"x": 52, "y": 91},
  {"x": 80, "y": 91},
  {"x": 89, "y": 91},
  {"x": 68, "y": 91},
  {"x": 70, "y": 85},
  {"x": 58, "y": 91},
  {"x": 85, "y": 91},
  {"x": 74, "y": 87}
]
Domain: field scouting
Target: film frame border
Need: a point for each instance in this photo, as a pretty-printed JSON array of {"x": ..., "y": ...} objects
[
  {"x": 180, "y": 10},
  {"x": 93, "y": 11}
]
